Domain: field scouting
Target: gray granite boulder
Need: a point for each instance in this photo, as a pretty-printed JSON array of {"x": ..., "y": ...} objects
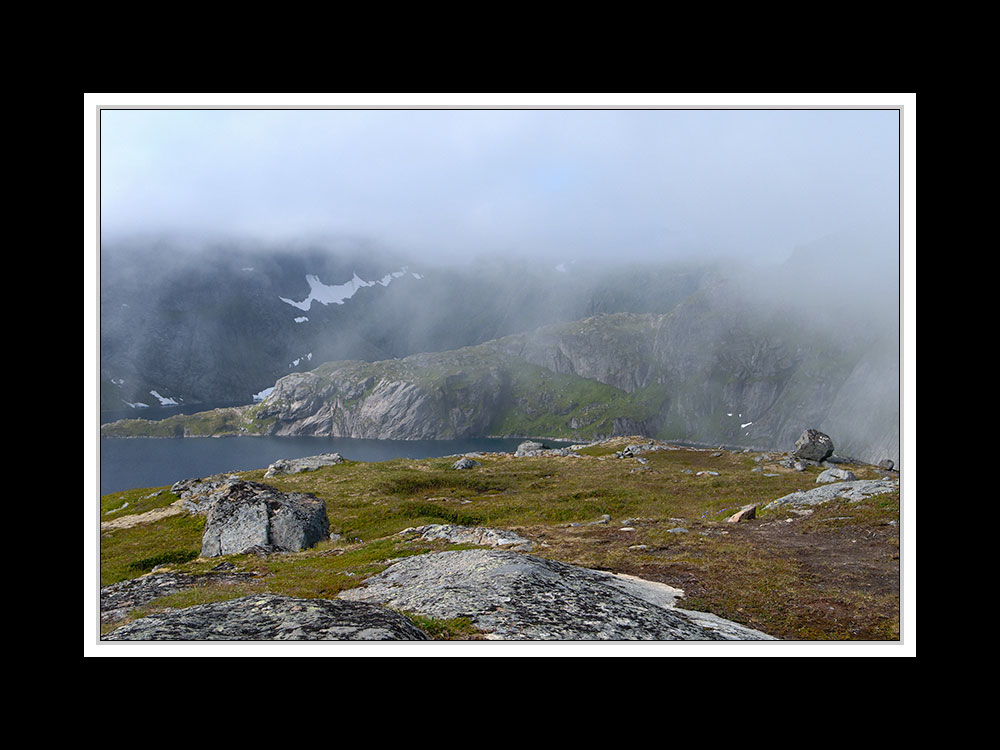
[
  {"x": 529, "y": 448},
  {"x": 465, "y": 463},
  {"x": 267, "y": 617},
  {"x": 813, "y": 445},
  {"x": 248, "y": 516}
]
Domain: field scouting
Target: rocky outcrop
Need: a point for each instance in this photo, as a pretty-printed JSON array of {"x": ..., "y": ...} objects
[
  {"x": 247, "y": 516},
  {"x": 298, "y": 465},
  {"x": 532, "y": 448},
  {"x": 514, "y": 596},
  {"x": 529, "y": 448},
  {"x": 480, "y": 535},
  {"x": 835, "y": 475},
  {"x": 464, "y": 464},
  {"x": 267, "y": 617},
  {"x": 852, "y": 491},
  {"x": 446, "y": 396}
]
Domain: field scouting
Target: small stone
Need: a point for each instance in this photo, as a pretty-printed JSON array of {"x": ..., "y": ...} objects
[
  {"x": 835, "y": 475},
  {"x": 746, "y": 513}
]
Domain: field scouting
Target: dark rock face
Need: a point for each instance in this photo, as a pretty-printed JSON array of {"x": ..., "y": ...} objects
[
  {"x": 247, "y": 516},
  {"x": 515, "y": 596},
  {"x": 813, "y": 445},
  {"x": 268, "y": 617}
]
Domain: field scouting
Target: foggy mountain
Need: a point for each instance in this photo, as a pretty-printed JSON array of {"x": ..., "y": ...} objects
[
  {"x": 745, "y": 355},
  {"x": 220, "y": 326}
]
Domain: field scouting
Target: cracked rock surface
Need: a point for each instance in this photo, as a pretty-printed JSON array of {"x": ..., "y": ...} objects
[
  {"x": 851, "y": 491},
  {"x": 249, "y": 515},
  {"x": 515, "y": 596},
  {"x": 268, "y": 617},
  {"x": 470, "y": 535}
]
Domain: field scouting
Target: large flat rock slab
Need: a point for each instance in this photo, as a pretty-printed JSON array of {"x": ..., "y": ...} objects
[
  {"x": 267, "y": 617},
  {"x": 515, "y": 596},
  {"x": 851, "y": 491}
]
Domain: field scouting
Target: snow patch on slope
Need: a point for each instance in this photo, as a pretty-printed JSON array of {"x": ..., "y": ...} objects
[
  {"x": 337, "y": 294},
  {"x": 164, "y": 400}
]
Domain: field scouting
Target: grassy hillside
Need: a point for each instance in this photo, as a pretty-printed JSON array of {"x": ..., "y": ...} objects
[{"x": 832, "y": 574}]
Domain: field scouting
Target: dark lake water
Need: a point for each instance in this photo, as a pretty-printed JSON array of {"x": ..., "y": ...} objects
[{"x": 129, "y": 463}]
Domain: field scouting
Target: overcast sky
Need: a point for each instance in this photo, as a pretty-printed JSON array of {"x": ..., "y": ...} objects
[{"x": 565, "y": 183}]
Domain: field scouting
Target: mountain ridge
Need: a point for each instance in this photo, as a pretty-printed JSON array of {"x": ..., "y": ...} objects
[{"x": 693, "y": 374}]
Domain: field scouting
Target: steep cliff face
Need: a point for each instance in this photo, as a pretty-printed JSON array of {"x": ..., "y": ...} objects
[{"x": 423, "y": 397}]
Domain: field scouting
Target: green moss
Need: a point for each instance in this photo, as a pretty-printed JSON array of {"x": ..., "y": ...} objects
[
  {"x": 124, "y": 552},
  {"x": 129, "y": 502},
  {"x": 454, "y": 629}
]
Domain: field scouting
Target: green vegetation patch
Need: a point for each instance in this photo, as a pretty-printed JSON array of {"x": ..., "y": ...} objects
[
  {"x": 118, "y": 504},
  {"x": 829, "y": 574},
  {"x": 454, "y": 629},
  {"x": 124, "y": 552},
  {"x": 146, "y": 564}
]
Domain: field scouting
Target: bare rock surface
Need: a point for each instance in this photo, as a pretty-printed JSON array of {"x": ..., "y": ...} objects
[
  {"x": 298, "y": 465},
  {"x": 486, "y": 537},
  {"x": 268, "y": 617},
  {"x": 514, "y": 596},
  {"x": 247, "y": 516},
  {"x": 852, "y": 491},
  {"x": 836, "y": 475},
  {"x": 198, "y": 494}
]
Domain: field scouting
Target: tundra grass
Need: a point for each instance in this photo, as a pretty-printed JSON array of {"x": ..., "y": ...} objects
[
  {"x": 118, "y": 504},
  {"x": 772, "y": 573}
]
